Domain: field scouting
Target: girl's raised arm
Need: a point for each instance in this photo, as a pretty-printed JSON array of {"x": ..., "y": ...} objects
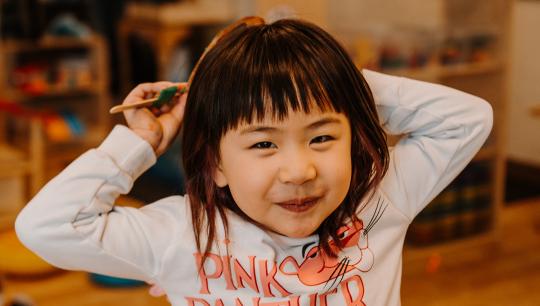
[
  {"x": 73, "y": 224},
  {"x": 442, "y": 130}
]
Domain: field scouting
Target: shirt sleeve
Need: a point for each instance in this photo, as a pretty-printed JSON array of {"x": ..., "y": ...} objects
[
  {"x": 73, "y": 224},
  {"x": 442, "y": 130}
]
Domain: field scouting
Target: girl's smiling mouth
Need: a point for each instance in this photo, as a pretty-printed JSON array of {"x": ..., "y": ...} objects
[{"x": 299, "y": 205}]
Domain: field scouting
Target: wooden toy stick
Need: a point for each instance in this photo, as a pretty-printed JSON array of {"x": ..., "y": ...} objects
[
  {"x": 121, "y": 108},
  {"x": 165, "y": 96}
]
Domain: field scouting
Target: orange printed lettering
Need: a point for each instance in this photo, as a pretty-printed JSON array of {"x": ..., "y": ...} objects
[
  {"x": 257, "y": 302},
  {"x": 191, "y": 301},
  {"x": 268, "y": 279},
  {"x": 219, "y": 302},
  {"x": 322, "y": 297},
  {"x": 242, "y": 275},
  {"x": 238, "y": 302},
  {"x": 227, "y": 272},
  {"x": 294, "y": 300},
  {"x": 347, "y": 293},
  {"x": 203, "y": 276},
  {"x": 313, "y": 299}
]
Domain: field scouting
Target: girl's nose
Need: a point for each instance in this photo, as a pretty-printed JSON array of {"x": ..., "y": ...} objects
[{"x": 297, "y": 168}]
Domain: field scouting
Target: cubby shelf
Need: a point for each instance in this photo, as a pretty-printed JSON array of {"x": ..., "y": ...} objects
[{"x": 80, "y": 89}]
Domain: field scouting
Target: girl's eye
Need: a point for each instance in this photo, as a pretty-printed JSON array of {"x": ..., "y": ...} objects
[
  {"x": 322, "y": 138},
  {"x": 263, "y": 145}
]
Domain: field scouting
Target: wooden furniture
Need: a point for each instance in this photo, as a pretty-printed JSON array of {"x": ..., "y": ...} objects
[
  {"x": 164, "y": 27},
  {"x": 42, "y": 78},
  {"x": 486, "y": 78},
  {"x": 21, "y": 173},
  {"x": 461, "y": 44}
]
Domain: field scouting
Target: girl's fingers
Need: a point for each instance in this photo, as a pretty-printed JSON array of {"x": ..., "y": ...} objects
[
  {"x": 155, "y": 111},
  {"x": 152, "y": 87},
  {"x": 156, "y": 291},
  {"x": 165, "y": 108},
  {"x": 149, "y": 90},
  {"x": 178, "y": 108},
  {"x": 146, "y": 91}
]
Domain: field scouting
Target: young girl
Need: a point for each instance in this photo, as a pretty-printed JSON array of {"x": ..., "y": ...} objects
[{"x": 292, "y": 195}]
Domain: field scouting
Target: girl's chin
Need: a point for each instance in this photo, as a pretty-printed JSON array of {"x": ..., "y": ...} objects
[{"x": 296, "y": 233}]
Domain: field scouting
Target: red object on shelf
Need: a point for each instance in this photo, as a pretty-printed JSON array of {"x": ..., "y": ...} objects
[{"x": 55, "y": 125}]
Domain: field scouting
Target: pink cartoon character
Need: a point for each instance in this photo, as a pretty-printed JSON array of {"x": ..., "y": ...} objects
[{"x": 318, "y": 268}]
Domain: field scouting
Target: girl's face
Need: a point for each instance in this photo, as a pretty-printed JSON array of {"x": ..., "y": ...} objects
[{"x": 288, "y": 175}]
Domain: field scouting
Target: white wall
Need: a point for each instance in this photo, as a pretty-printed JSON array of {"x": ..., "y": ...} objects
[
  {"x": 523, "y": 142},
  {"x": 350, "y": 15}
]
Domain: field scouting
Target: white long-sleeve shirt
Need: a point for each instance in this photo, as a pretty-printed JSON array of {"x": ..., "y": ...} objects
[{"x": 73, "y": 224}]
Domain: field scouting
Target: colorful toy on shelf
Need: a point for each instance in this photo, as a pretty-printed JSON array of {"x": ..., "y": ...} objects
[
  {"x": 59, "y": 126},
  {"x": 58, "y": 76},
  {"x": 32, "y": 79},
  {"x": 63, "y": 126}
]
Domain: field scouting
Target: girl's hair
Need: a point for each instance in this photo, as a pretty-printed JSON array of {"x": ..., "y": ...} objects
[{"x": 253, "y": 69}]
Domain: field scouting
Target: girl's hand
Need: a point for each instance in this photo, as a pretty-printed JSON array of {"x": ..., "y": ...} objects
[
  {"x": 156, "y": 291},
  {"x": 160, "y": 126}
]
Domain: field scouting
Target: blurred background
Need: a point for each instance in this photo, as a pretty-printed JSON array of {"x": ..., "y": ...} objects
[{"x": 64, "y": 63}]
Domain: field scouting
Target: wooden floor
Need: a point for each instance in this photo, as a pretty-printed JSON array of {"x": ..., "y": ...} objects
[{"x": 505, "y": 274}]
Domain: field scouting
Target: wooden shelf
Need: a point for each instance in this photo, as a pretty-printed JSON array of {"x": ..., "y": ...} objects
[
  {"x": 17, "y": 95},
  {"x": 486, "y": 153},
  {"x": 488, "y": 80},
  {"x": 10, "y": 45},
  {"x": 93, "y": 82},
  {"x": 7, "y": 221},
  {"x": 477, "y": 69},
  {"x": 437, "y": 72}
]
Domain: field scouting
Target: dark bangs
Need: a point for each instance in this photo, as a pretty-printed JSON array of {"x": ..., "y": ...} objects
[
  {"x": 258, "y": 70},
  {"x": 268, "y": 69}
]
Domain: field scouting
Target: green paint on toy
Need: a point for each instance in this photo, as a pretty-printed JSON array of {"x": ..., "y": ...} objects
[{"x": 165, "y": 96}]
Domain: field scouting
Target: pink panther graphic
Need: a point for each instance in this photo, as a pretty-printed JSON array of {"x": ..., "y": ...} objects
[{"x": 318, "y": 268}]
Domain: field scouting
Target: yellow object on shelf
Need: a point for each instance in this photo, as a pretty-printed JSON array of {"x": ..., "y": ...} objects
[{"x": 15, "y": 259}]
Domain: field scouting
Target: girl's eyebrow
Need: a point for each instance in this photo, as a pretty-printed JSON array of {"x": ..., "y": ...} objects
[
  {"x": 269, "y": 129},
  {"x": 323, "y": 121},
  {"x": 257, "y": 128}
]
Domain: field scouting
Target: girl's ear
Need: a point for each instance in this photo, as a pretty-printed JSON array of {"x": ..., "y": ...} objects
[{"x": 219, "y": 177}]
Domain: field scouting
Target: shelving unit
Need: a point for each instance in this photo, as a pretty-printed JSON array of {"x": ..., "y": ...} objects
[
  {"x": 41, "y": 81},
  {"x": 461, "y": 44},
  {"x": 466, "y": 214},
  {"x": 20, "y": 173}
]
